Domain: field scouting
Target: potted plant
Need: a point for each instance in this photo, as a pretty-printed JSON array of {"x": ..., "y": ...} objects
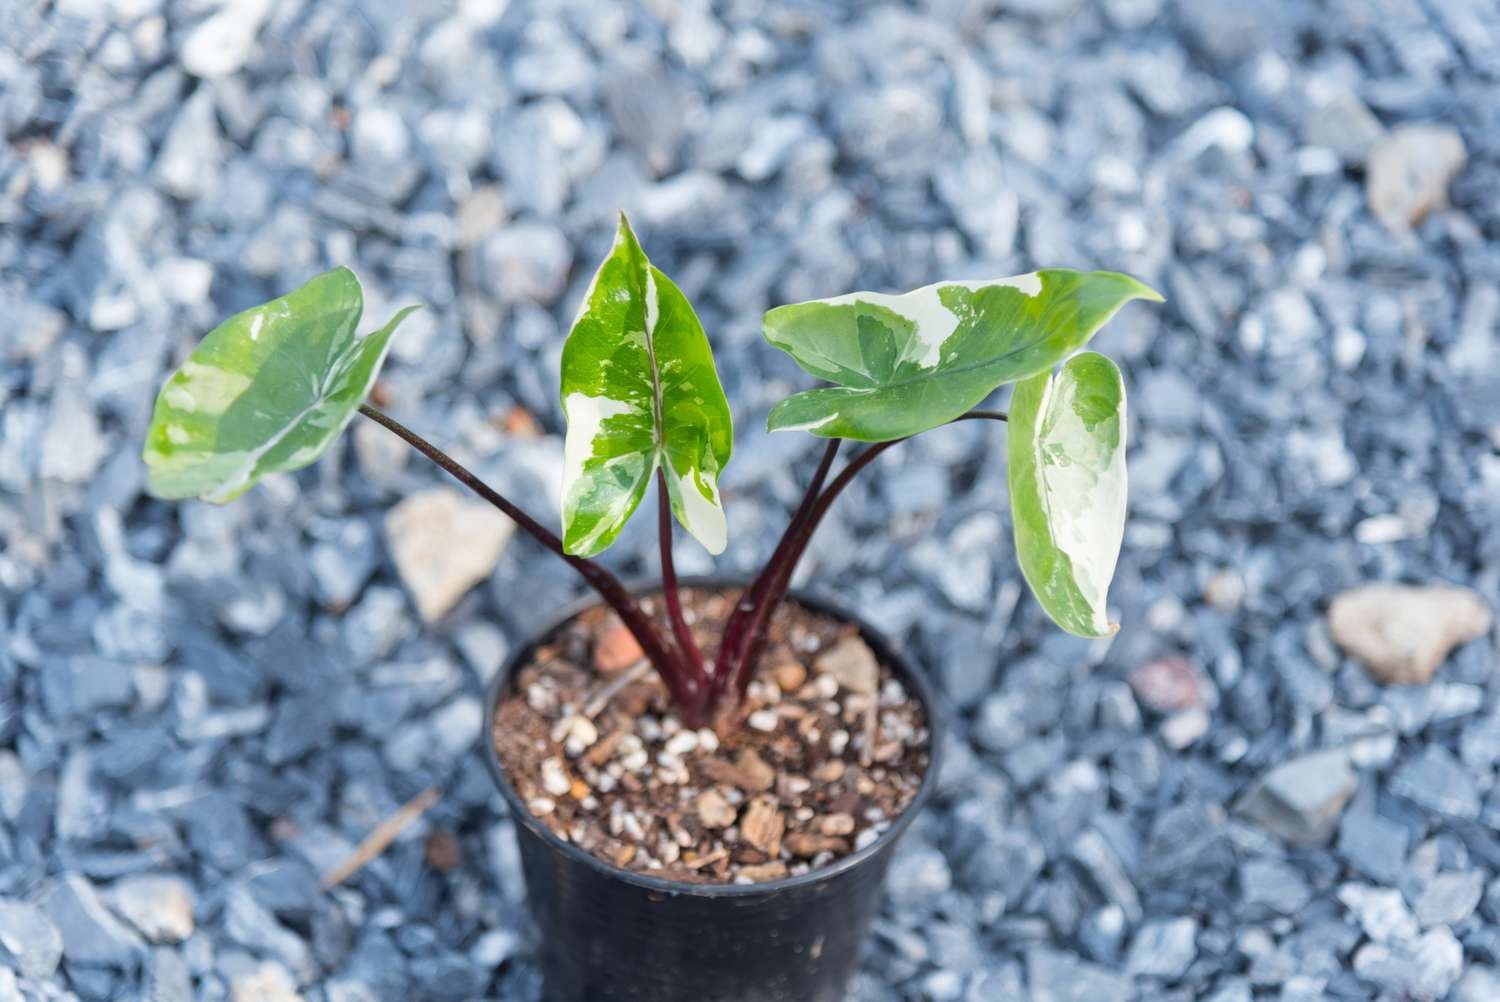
[{"x": 708, "y": 777}]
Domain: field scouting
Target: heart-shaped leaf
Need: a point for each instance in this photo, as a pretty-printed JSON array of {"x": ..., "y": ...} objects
[
  {"x": 907, "y": 363},
  {"x": 267, "y": 390},
  {"x": 640, "y": 391},
  {"x": 1066, "y": 468}
]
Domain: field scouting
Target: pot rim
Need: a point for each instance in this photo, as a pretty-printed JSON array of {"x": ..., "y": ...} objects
[{"x": 911, "y": 676}]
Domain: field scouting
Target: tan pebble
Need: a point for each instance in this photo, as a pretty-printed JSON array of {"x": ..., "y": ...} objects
[
  {"x": 841, "y": 823},
  {"x": 852, "y": 664},
  {"x": 808, "y": 844},
  {"x": 1403, "y": 632},
  {"x": 579, "y": 790},
  {"x": 773, "y": 870},
  {"x": 789, "y": 676},
  {"x": 829, "y": 772},
  {"x": 714, "y": 811}
]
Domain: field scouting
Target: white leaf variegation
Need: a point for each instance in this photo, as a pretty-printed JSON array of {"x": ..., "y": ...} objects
[
  {"x": 1066, "y": 473},
  {"x": 640, "y": 393},
  {"x": 902, "y": 364}
]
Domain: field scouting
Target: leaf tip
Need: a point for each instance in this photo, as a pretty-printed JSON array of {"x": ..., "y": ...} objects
[{"x": 1140, "y": 290}]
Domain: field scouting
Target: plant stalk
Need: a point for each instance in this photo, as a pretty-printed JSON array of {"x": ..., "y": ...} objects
[
  {"x": 688, "y": 691},
  {"x": 754, "y": 642},
  {"x": 750, "y": 613},
  {"x": 686, "y": 646}
]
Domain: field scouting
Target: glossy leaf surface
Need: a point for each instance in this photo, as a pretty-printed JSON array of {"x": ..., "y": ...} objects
[
  {"x": 640, "y": 391},
  {"x": 1066, "y": 471},
  {"x": 265, "y": 391},
  {"x": 902, "y": 364}
]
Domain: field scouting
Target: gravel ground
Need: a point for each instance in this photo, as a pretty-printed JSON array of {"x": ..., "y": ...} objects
[{"x": 203, "y": 709}]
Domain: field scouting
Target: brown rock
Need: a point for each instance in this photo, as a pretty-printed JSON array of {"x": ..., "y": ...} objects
[
  {"x": 1402, "y": 632},
  {"x": 442, "y": 851},
  {"x": 762, "y": 825},
  {"x": 518, "y": 421},
  {"x": 808, "y": 844},
  {"x": 714, "y": 811},
  {"x": 616, "y": 649},
  {"x": 1167, "y": 684},
  {"x": 789, "y": 676},
  {"x": 852, "y": 664}
]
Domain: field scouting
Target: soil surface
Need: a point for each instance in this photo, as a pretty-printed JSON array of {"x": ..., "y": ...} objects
[{"x": 831, "y": 749}]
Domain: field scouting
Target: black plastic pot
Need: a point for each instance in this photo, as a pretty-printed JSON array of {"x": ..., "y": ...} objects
[{"x": 609, "y": 934}]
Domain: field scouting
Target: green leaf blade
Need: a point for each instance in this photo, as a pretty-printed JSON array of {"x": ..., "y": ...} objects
[
  {"x": 640, "y": 392},
  {"x": 902, "y": 364},
  {"x": 266, "y": 391},
  {"x": 1066, "y": 473}
]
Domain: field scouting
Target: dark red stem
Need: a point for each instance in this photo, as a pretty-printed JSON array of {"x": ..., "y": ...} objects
[
  {"x": 750, "y": 614},
  {"x": 744, "y": 669},
  {"x": 688, "y": 692},
  {"x": 686, "y": 646}
]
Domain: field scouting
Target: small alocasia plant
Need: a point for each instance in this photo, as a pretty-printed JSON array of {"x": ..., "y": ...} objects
[{"x": 270, "y": 388}]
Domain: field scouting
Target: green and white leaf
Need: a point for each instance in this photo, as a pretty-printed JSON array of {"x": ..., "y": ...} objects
[
  {"x": 266, "y": 391},
  {"x": 1066, "y": 470},
  {"x": 640, "y": 391},
  {"x": 902, "y": 364}
]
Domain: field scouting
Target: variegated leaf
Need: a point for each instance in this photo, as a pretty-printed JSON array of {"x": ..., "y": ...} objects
[
  {"x": 1066, "y": 470},
  {"x": 265, "y": 391},
  {"x": 640, "y": 391},
  {"x": 905, "y": 363}
]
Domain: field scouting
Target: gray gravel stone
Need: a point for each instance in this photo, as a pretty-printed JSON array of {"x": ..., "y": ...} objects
[
  {"x": 251, "y": 926},
  {"x": 1435, "y": 780},
  {"x": 918, "y": 875},
  {"x": 1373, "y": 845},
  {"x": 1449, "y": 898},
  {"x": 1273, "y": 885},
  {"x": 29, "y": 939},
  {"x": 158, "y": 905},
  {"x": 1163, "y": 948},
  {"x": 91, "y": 936},
  {"x": 168, "y": 978},
  {"x": 1301, "y": 800},
  {"x": 1058, "y": 976}
]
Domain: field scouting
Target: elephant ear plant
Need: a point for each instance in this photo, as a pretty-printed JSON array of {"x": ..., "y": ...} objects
[
  {"x": 269, "y": 389},
  {"x": 643, "y": 811}
]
